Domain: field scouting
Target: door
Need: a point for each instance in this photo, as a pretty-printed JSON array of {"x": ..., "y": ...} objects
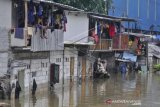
[
  {"x": 21, "y": 74},
  {"x": 71, "y": 67},
  {"x": 54, "y": 73},
  {"x": 83, "y": 67}
]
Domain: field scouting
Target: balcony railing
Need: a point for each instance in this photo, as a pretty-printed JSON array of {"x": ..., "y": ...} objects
[
  {"x": 117, "y": 43},
  {"x": 104, "y": 44},
  {"x": 36, "y": 40}
]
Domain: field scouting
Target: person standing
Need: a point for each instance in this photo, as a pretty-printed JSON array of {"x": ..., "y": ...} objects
[
  {"x": 9, "y": 90},
  {"x": 34, "y": 87},
  {"x": 1, "y": 92},
  {"x": 17, "y": 90},
  {"x": 13, "y": 95},
  {"x": 95, "y": 65}
]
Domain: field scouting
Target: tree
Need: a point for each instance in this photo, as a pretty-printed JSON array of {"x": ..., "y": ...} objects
[{"x": 88, "y": 5}]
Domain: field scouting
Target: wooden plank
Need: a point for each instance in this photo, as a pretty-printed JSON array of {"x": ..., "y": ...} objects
[
  {"x": 83, "y": 67},
  {"x": 71, "y": 67},
  {"x": 26, "y": 23}
]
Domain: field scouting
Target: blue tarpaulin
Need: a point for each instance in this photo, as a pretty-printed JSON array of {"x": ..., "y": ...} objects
[
  {"x": 129, "y": 56},
  {"x": 19, "y": 33},
  {"x": 157, "y": 37}
]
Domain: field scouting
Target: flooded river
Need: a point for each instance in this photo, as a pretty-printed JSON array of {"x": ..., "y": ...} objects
[{"x": 134, "y": 90}]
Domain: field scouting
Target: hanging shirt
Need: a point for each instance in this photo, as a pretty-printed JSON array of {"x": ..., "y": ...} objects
[
  {"x": 40, "y": 10},
  {"x": 64, "y": 18},
  {"x": 106, "y": 31},
  {"x": 95, "y": 36},
  {"x": 111, "y": 30},
  {"x": 19, "y": 33},
  {"x": 98, "y": 29},
  {"x": 31, "y": 13}
]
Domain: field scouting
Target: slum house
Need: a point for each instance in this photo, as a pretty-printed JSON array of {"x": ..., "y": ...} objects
[
  {"x": 108, "y": 37},
  {"x": 153, "y": 54},
  {"x": 5, "y": 25},
  {"x": 138, "y": 50},
  {"x": 33, "y": 31},
  {"x": 128, "y": 45},
  {"x": 77, "y": 38},
  {"x": 153, "y": 50},
  {"x": 83, "y": 38},
  {"x": 80, "y": 39},
  {"x": 147, "y": 18}
]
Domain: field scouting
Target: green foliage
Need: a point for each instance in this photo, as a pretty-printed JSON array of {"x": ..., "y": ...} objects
[
  {"x": 88, "y": 5},
  {"x": 156, "y": 67}
]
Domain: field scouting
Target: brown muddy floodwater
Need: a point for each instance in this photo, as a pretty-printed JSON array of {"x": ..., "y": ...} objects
[{"x": 134, "y": 90}]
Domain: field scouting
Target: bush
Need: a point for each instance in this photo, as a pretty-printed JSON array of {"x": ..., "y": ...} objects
[{"x": 156, "y": 67}]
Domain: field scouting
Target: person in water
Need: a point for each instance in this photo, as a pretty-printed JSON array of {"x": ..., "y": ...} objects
[
  {"x": 17, "y": 90},
  {"x": 34, "y": 87}
]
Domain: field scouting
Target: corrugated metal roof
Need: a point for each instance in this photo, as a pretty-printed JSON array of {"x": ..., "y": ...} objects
[
  {"x": 154, "y": 50},
  {"x": 77, "y": 43},
  {"x": 67, "y": 7},
  {"x": 137, "y": 34},
  {"x": 102, "y": 16},
  {"x": 105, "y": 18},
  {"x": 113, "y": 17}
]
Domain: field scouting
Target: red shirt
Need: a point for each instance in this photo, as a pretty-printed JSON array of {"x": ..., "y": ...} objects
[{"x": 111, "y": 30}]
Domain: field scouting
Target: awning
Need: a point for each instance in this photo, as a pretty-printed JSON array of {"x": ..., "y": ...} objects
[
  {"x": 105, "y": 18},
  {"x": 113, "y": 17},
  {"x": 77, "y": 43},
  {"x": 123, "y": 60},
  {"x": 158, "y": 56},
  {"x": 109, "y": 50},
  {"x": 136, "y": 34},
  {"x": 129, "y": 56},
  {"x": 154, "y": 50}
]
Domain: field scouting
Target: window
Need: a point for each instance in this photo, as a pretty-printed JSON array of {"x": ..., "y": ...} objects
[
  {"x": 155, "y": 9},
  {"x": 42, "y": 65},
  {"x": 46, "y": 64},
  {"x": 148, "y": 8},
  {"x": 58, "y": 59},
  {"x": 28, "y": 66},
  {"x": 18, "y": 14},
  {"x": 67, "y": 59},
  {"x": 138, "y": 8},
  {"x": 34, "y": 74},
  {"x": 127, "y": 7}
]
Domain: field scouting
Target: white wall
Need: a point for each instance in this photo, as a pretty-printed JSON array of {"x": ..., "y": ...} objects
[
  {"x": 77, "y": 27},
  {"x": 16, "y": 42},
  {"x": 67, "y": 54},
  {"x": 5, "y": 25},
  {"x": 88, "y": 62},
  {"x": 5, "y": 13},
  {"x": 42, "y": 73},
  {"x": 3, "y": 63}
]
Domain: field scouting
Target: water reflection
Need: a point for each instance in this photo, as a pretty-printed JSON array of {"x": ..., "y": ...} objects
[
  {"x": 17, "y": 103},
  {"x": 34, "y": 100},
  {"x": 95, "y": 93}
]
